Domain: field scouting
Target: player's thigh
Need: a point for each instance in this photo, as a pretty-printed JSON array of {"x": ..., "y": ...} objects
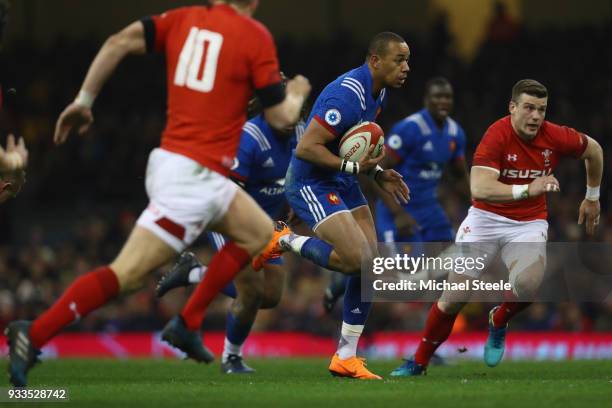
[
  {"x": 246, "y": 224},
  {"x": 478, "y": 238},
  {"x": 363, "y": 216},
  {"x": 525, "y": 257},
  {"x": 346, "y": 237},
  {"x": 143, "y": 252}
]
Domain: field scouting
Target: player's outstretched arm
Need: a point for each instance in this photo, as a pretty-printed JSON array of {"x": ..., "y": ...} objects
[
  {"x": 485, "y": 186},
  {"x": 287, "y": 112},
  {"x": 590, "y": 208},
  {"x": 77, "y": 115}
]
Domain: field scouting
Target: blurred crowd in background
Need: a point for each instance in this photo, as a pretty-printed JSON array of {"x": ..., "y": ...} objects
[{"x": 82, "y": 199}]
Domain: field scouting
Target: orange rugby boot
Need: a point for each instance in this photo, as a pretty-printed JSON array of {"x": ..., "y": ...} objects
[
  {"x": 273, "y": 249},
  {"x": 352, "y": 367}
]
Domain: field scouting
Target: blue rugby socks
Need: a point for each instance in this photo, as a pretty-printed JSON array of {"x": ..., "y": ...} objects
[
  {"x": 315, "y": 249},
  {"x": 236, "y": 333},
  {"x": 354, "y": 316}
]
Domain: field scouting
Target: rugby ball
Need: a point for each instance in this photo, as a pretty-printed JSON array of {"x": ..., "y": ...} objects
[{"x": 356, "y": 141}]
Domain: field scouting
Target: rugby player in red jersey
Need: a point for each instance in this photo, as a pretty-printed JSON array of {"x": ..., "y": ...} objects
[
  {"x": 512, "y": 170},
  {"x": 216, "y": 57}
]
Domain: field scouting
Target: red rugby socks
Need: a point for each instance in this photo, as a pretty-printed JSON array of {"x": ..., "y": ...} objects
[
  {"x": 437, "y": 329},
  {"x": 87, "y": 293},
  {"x": 507, "y": 311},
  {"x": 222, "y": 269}
]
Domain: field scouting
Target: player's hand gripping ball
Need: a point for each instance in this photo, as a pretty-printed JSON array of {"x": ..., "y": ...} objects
[{"x": 358, "y": 139}]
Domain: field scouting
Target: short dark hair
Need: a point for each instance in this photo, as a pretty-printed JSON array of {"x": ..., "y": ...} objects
[
  {"x": 529, "y": 87},
  {"x": 240, "y": 3},
  {"x": 379, "y": 44},
  {"x": 436, "y": 81}
]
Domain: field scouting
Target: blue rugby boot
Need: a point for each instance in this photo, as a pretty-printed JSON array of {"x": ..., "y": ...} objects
[
  {"x": 496, "y": 342},
  {"x": 235, "y": 365},
  {"x": 409, "y": 369}
]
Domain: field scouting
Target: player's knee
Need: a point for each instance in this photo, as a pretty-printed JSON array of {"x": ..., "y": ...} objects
[
  {"x": 271, "y": 297},
  {"x": 261, "y": 238},
  {"x": 250, "y": 292},
  {"x": 525, "y": 286},
  {"x": 248, "y": 301},
  {"x": 351, "y": 262},
  {"x": 129, "y": 280},
  {"x": 356, "y": 257},
  {"x": 450, "y": 307}
]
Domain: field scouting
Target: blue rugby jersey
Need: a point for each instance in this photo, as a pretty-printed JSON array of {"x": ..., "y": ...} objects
[
  {"x": 423, "y": 151},
  {"x": 261, "y": 163},
  {"x": 344, "y": 103}
]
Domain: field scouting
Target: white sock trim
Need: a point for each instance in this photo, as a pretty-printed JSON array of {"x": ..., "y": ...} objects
[
  {"x": 197, "y": 274},
  {"x": 230, "y": 348},
  {"x": 351, "y": 329},
  {"x": 296, "y": 243}
]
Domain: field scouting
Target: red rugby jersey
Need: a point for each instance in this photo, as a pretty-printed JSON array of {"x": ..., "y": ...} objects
[
  {"x": 520, "y": 162},
  {"x": 215, "y": 59}
]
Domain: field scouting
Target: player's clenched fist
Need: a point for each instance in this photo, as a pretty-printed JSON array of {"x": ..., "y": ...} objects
[
  {"x": 15, "y": 157},
  {"x": 75, "y": 116},
  {"x": 544, "y": 184},
  {"x": 299, "y": 85}
]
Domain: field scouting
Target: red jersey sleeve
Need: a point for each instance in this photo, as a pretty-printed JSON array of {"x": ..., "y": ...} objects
[
  {"x": 264, "y": 62},
  {"x": 162, "y": 24},
  {"x": 489, "y": 150},
  {"x": 571, "y": 142}
]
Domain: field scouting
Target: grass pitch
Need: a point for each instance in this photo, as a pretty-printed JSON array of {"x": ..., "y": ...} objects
[{"x": 307, "y": 383}]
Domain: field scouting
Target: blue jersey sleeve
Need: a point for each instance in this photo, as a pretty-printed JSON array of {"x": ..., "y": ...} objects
[
  {"x": 459, "y": 150},
  {"x": 338, "y": 113},
  {"x": 401, "y": 141},
  {"x": 246, "y": 158}
]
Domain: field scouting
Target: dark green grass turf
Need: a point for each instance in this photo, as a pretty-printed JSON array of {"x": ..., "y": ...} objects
[{"x": 307, "y": 383}]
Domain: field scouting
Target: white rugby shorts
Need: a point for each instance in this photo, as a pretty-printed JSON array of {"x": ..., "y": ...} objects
[
  {"x": 184, "y": 198},
  {"x": 521, "y": 243}
]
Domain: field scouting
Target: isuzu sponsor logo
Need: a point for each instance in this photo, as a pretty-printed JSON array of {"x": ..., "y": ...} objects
[{"x": 525, "y": 174}]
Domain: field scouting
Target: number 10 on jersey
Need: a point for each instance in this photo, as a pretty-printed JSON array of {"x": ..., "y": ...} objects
[{"x": 202, "y": 46}]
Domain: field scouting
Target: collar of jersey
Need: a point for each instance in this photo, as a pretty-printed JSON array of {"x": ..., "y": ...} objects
[
  {"x": 367, "y": 81},
  {"x": 432, "y": 123}
]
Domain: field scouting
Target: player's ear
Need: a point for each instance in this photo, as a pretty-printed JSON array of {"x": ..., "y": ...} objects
[
  {"x": 375, "y": 61},
  {"x": 511, "y": 106}
]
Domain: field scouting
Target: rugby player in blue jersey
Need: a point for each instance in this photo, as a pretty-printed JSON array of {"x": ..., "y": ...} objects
[
  {"x": 323, "y": 190},
  {"x": 420, "y": 147},
  {"x": 260, "y": 168}
]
